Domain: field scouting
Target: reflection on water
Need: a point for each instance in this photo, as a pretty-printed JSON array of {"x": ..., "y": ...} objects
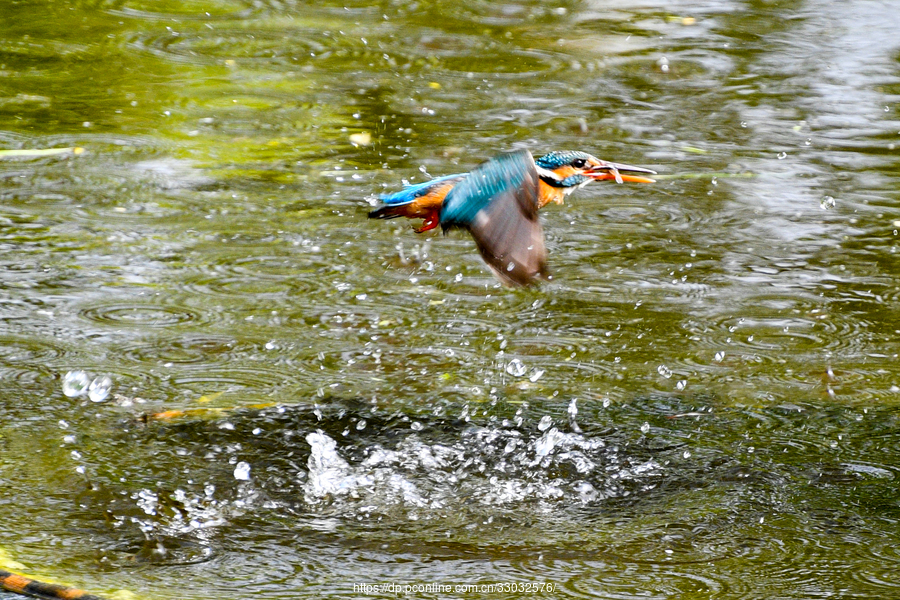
[{"x": 700, "y": 403}]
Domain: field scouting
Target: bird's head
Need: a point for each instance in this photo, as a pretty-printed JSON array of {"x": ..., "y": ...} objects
[{"x": 572, "y": 169}]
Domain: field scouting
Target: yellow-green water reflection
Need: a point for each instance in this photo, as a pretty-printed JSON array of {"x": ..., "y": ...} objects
[{"x": 702, "y": 403}]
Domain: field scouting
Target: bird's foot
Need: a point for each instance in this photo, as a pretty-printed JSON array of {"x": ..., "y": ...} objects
[{"x": 430, "y": 223}]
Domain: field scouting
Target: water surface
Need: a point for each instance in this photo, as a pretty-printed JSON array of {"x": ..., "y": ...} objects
[{"x": 701, "y": 403}]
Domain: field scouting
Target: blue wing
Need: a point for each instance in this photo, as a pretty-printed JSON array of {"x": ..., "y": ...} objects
[
  {"x": 411, "y": 192},
  {"x": 498, "y": 203}
]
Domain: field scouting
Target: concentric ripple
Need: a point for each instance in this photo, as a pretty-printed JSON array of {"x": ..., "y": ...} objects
[
  {"x": 141, "y": 315},
  {"x": 27, "y": 360}
]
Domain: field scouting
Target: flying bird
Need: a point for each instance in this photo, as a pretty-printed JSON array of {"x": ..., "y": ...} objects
[{"x": 498, "y": 203}]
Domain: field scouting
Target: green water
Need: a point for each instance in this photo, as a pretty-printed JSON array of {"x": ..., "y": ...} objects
[{"x": 701, "y": 403}]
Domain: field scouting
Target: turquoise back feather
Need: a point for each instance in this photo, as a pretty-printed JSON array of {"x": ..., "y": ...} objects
[
  {"x": 411, "y": 192},
  {"x": 475, "y": 192}
]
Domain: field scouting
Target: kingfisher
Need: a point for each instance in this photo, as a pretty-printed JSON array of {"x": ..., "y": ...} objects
[{"x": 498, "y": 202}]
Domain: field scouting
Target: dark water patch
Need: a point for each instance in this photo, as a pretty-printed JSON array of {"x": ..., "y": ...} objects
[
  {"x": 516, "y": 486},
  {"x": 342, "y": 474}
]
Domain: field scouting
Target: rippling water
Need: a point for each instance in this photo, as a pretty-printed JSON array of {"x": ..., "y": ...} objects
[{"x": 702, "y": 403}]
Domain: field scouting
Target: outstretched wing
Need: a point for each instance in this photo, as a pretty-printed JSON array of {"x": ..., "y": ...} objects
[{"x": 498, "y": 203}]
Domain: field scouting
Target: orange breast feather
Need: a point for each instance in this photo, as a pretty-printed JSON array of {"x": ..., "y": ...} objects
[
  {"x": 549, "y": 194},
  {"x": 423, "y": 206}
]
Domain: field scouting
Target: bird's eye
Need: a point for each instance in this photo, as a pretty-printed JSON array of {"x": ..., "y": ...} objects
[{"x": 579, "y": 163}]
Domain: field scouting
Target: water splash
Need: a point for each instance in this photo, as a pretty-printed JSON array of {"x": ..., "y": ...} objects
[
  {"x": 329, "y": 474},
  {"x": 242, "y": 471}
]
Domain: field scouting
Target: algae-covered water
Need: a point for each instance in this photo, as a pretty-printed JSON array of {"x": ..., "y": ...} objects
[{"x": 304, "y": 403}]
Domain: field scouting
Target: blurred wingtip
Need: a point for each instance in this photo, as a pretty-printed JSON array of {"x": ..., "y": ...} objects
[{"x": 498, "y": 204}]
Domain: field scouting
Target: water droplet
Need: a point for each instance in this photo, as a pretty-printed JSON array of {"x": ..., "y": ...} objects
[
  {"x": 687, "y": 454},
  {"x": 545, "y": 423},
  {"x": 545, "y": 445},
  {"x": 645, "y": 427},
  {"x": 361, "y": 424},
  {"x": 76, "y": 383},
  {"x": 535, "y": 375},
  {"x": 782, "y": 155},
  {"x": 664, "y": 371},
  {"x": 516, "y": 368},
  {"x": 720, "y": 355},
  {"x": 827, "y": 202},
  {"x": 271, "y": 345},
  {"x": 681, "y": 385},
  {"x": 416, "y": 426},
  {"x": 242, "y": 471},
  {"x": 98, "y": 391},
  {"x": 586, "y": 491},
  {"x": 743, "y": 123}
]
